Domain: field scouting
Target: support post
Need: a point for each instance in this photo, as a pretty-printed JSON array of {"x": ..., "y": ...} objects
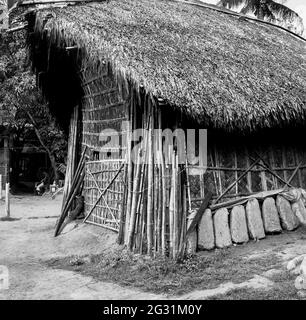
[
  {"x": 0, "y": 186},
  {"x": 7, "y": 199}
]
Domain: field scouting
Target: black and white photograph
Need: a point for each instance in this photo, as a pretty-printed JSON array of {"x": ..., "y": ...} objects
[{"x": 152, "y": 151}]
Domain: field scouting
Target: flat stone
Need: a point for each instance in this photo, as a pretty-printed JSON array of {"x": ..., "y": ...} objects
[
  {"x": 222, "y": 230},
  {"x": 270, "y": 216},
  {"x": 206, "y": 236},
  {"x": 192, "y": 242},
  {"x": 254, "y": 220},
  {"x": 239, "y": 229},
  {"x": 287, "y": 217},
  {"x": 299, "y": 210}
]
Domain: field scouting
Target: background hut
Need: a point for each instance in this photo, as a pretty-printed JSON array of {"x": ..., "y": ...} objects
[{"x": 168, "y": 64}]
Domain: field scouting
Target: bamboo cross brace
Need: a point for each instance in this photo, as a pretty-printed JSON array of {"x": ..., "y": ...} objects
[
  {"x": 237, "y": 180},
  {"x": 294, "y": 172},
  {"x": 266, "y": 166},
  {"x": 103, "y": 192}
]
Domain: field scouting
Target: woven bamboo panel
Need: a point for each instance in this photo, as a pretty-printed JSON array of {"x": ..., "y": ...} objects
[
  {"x": 103, "y": 112},
  {"x": 99, "y": 174}
]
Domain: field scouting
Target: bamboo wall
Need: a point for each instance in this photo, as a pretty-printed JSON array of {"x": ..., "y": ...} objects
[
  {"x": 226, "y": 165},
  {"x": 103, "y": 108}
]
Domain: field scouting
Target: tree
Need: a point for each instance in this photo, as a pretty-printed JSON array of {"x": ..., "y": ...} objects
[{"x": 20, "y": 98}]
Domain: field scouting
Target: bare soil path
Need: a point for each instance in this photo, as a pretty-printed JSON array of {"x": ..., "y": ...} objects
[{"x": 26, "y": 243}]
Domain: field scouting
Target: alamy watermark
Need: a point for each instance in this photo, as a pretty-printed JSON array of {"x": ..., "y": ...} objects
[
  {"x": 190, "y": 145},
  {"x": 4, "y": 278}
]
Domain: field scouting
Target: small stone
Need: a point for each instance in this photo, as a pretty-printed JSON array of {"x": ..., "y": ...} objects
[
  {"x": 301, "y": 293},
  {"x": 270, "y": 216},
  {"x": 299, "y": 283},
  {"x": 222, "y": 231},
  {"x": 192, "y": 241},
  {"x": 239, "y": 229},
  {"x": 288, "y": 219},
  {"x": 299, "y": 210},
  {"x": 254, "y": 221},
  {"x": 206, "y": 237}
]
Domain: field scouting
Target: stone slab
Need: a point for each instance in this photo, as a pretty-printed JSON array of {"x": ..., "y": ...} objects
[
  {"x": 238, "y": 225},
  {"x": 287, "y": 217},
  {"x": 221, "y": 227},
  {"x": 206, "y": 236},
  {"x": 254, "y": 220},
  {"x": 270, "y": 216}
]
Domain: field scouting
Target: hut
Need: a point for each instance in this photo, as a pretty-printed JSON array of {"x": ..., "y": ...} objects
[{"x": 122, "y": 65}]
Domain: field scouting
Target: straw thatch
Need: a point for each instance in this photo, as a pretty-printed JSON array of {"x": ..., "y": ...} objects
[{"x": 222, "y": 71}]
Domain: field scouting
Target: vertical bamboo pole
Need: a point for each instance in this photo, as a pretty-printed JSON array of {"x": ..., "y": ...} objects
[
  {"x": 263, "y": 180},
  {"x": 7, "y": 199},
  {"x": 171, "y": 215},
  {"x": 219, "y": 180},
  {"x": 175, "y": 205},
  {"x": 130, "y": 168},
  {"x": 249, "y": 174},
  {"x": 236, "y": 172},
  {"x": 150, "y": 185},
  {"x": 0, "y": 186},
  {"x": 155, "y": 207},
  {"x": 284, "y": 160},
  {"x": 275, "y": 182},
  {"x": 134, "y": 203},
  {"x": 164, "y": 204}
]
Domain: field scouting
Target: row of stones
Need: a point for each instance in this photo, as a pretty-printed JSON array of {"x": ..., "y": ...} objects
[{"x": 222, "y": 228}]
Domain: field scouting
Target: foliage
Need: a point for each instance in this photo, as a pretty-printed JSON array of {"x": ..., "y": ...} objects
[{"x": 19, "y": 97}]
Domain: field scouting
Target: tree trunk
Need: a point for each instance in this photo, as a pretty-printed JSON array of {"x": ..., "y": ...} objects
[{"x": 50, "y": 155}]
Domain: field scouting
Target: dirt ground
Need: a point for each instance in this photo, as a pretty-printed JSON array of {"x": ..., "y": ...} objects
[{"x": 27, "y": 243}]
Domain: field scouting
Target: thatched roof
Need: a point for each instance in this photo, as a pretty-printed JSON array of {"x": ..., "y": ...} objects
[{"x": 223, "y": 71}]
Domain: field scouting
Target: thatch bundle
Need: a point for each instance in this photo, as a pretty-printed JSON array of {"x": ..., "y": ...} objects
[{"x": 220, "y": 70}]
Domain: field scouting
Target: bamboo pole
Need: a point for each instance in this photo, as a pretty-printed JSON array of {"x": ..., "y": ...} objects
[
  {"x": 133, "y": 215},
  {"x": 236, "y": 172},
  {"x": 155, "y": 207},
  {"x": 249, "y": 175},
  {"x": 7, "y": 199},
  {"x": 0, "y": 186},
  {"x": 129, "y": 174},
  {"x": 150, "y": 190},
  {"x": 171, "y": 216},
  {"x": 164, "y": 204},
  {"x": 175, "y": 205}
]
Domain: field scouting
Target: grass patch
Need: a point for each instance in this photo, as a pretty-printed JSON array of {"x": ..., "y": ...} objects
[
  {"x": 283, "y": 289},
  {"x": 163, "y": 275}
]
